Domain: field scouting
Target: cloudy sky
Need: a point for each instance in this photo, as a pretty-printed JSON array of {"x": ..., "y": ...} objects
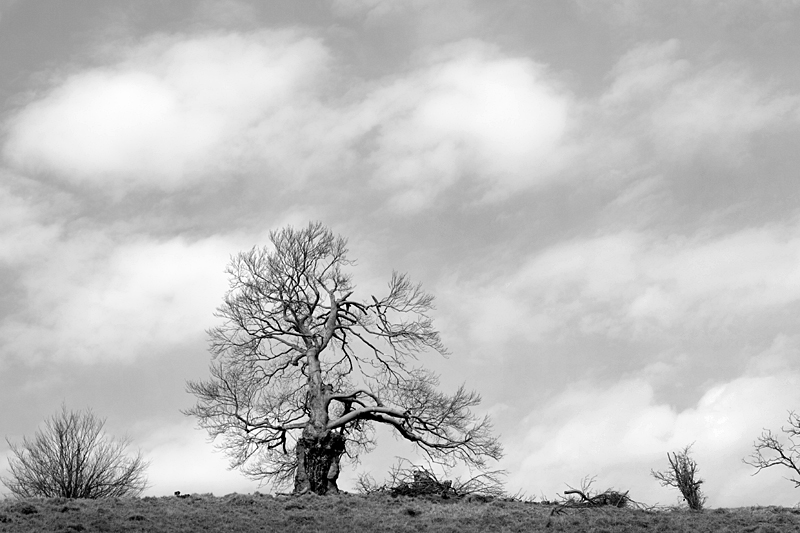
[{"x": 602, "y": 195}]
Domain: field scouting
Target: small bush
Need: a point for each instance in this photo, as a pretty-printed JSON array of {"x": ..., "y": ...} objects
[
  {"x": 681, "y": 475},
  {"x": 73, "y": 458}
]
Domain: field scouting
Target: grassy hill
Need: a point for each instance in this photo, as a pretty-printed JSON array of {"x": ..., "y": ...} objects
[{"x": 347, "y": 513}]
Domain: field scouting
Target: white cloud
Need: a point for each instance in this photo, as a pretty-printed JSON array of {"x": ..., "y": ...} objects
[
  {"x": 172, "y": 110},
  {"x": 620, "y": 432},
  {"x": 663, "y": 107},
  {"x": 23, "y": 234},
  {"x": 175, "y": 111},
  {"x": 719, "y": 110},
  {"x": 91, "y": 299},
  {"x": 635, "y": 285},
  {"x": 646, "y": 69},
  {"x": 110, "y": 295},
  {"x": 181, "y": 458},
  {"x": 686, "y": 108},
  {"x": 470, "y": 113}
]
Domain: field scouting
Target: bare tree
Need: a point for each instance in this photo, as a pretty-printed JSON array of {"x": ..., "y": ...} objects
[
  {"x": 769, "y": 451},
  {"x": 302, "y": 371},
  {"x": 681, "y": 475},
  {"x": 73, "y": 458}
]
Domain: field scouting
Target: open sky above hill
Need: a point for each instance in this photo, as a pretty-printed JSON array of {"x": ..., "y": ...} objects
[{"x": 602, "y": 195}]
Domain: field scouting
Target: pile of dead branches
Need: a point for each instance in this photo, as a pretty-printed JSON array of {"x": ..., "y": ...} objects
[
  {"x": 412, "y": 480},
  {"x": 586, "y": 497},
  {"x": 609, "y": 497},
  {"x": 423, "y": 483}
]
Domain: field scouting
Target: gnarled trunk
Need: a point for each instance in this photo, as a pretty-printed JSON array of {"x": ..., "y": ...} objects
[
  {"x": 319, "y": 449},
  {"x": 318, "y": 463}
]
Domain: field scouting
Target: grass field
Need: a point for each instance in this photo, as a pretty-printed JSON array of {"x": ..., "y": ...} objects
[{"x": 348, "y": 513}]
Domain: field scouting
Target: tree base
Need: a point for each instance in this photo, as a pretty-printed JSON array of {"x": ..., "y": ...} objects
[{"x": 318, "y": 464}]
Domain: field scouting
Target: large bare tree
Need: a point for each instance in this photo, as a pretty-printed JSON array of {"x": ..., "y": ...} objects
[
  {"x": 72, "y": 457},
  {"x": 303, "y": 371}
]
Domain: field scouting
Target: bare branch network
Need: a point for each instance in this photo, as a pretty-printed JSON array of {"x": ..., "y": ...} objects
[
  {"x": 682, "y": 475},
  {"x": 408, "y": 479},
  {"x": 297, "y": 354},
  {"x": 769, "y": 450},
  {"x": 73, "y": 458}
]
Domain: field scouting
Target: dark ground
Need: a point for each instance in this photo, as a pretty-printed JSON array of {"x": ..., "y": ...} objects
[{"x": 351, "y": 513}]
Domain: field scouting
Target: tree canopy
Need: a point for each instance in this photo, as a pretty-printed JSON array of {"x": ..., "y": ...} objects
[{"x": 302, "y": 369}]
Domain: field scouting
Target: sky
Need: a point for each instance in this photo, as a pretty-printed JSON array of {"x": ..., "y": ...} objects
[{"x": 601, "y": 194}]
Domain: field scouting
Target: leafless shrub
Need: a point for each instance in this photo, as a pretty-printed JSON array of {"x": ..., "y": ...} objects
[
  {"x": 73, "y": 458},
  {"x": 769, "y": 451},
  {"x": 681, "y": 475},
  {"x": 484, "y": 484}
]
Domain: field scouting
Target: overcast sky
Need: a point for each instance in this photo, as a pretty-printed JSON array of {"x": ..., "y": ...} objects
[{"x": 602, "y": 195}]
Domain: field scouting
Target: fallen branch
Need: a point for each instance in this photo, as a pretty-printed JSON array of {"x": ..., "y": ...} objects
[{"x": 608, "y": 498}]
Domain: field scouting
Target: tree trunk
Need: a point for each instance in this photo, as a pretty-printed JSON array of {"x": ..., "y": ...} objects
[
  {"x": 318, "y": 464},
  {"x": 319, "y": 449}
]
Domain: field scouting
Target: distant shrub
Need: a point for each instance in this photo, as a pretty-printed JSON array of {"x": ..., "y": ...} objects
[
  {"x": 73, "y": 458},
  {"x": 681, "y": 475}
]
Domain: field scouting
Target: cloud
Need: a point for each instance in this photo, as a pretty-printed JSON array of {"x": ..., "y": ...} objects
[
  {"x": 110, "y": 293},
  {"x": 620, "y": 432},
  {"x": 719, "y": 110},
  {"x": 171, "y": 111},
  {"x": 472, "y": 117},
  {"x": 663, "y": 282},
  {"x": 92, "y": 299},
  {"x": 374, "y": 10},
  {"x": 686, "y": 108},
  {"x": 665, "y": 108},
  {"x": 634, "y": 285},
  {"x": 176, "y": 111},
  {"x": 23, "y": 234},
  {"x": 646, "y": 69},
  {"x": 656, "y": 17},
  {"x": 466, "y": 120},
  {"x": 181, "y": 458}
]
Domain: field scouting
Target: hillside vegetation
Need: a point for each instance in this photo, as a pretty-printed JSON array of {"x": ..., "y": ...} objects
[{"x": 348, "y": 513}]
